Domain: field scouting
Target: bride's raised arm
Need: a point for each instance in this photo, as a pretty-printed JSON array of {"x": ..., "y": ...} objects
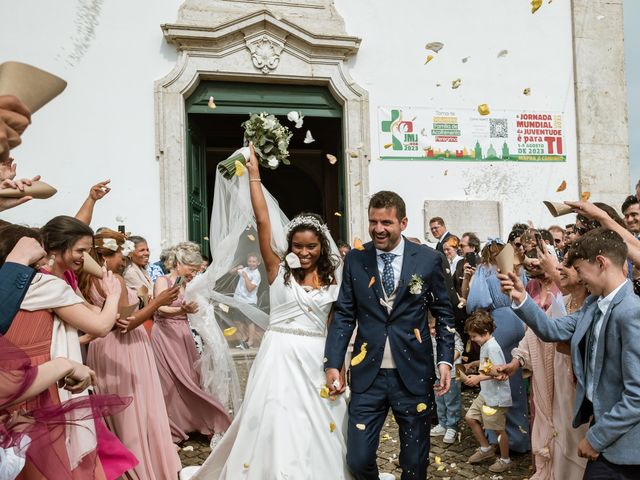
[{"x": 261, "y": 212}]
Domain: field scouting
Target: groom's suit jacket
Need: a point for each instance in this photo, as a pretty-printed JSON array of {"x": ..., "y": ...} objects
[
  {"x": 359, "y": 302},
  {"x": 616, "y": 395}
]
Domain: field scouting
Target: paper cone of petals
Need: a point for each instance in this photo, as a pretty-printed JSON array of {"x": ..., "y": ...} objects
[{"x": 33, "y": 86}]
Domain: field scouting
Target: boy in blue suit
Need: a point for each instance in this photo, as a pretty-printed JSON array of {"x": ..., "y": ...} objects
[
  {"x": 605, "y": 352},
  {"x": 386, "y": 290}
]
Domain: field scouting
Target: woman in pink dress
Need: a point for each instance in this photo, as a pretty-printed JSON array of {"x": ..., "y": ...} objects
[
  {"x": 124, "y": 365},
  {"x": 190, "y": 408}
]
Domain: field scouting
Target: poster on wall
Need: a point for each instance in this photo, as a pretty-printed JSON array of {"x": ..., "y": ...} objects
[{"x": 416, "y": 133}]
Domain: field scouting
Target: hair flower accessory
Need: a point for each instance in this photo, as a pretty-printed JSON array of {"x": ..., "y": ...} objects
[
  {"x": 110, "y": 244},
  {"x": 496, "y": 241},
  {"x": 415, "y": 285},
  {"x": 127, "y": 247}
]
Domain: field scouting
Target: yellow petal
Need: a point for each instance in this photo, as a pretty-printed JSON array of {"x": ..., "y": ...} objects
[
  {"x": 211, "y": 103},
  {"x": 467, "y": 347},
  {"x": 421, "y": 407},
  {"x": 483, "y": 109},
  {"x": 229, "y": 331},
  {"x": 527, "y": 91},
  {"x": 357, "y": 184},
  {"x": 385, "y": 437},
  {"x": 239, "y": 168},
  {"x": 437, "y": 460},
  {"x": 487, "y": 365},
  {"x": 251, "y": 237},
  {"x": 562, "y": 187},
  {"x": 429, "y": 58},
  {"x": 535, "y": 5},
  {"x": 456, "y": 83},
  {"x": 434, "y": 46},
  {"x": 360, "y": 357},
  {"x": 332, "y": 427},
  {"x": 360, "y": 426},
  {"x": 440, "y": 468},
  {"x": 357, "y": 244},
  {"x": 372, "y": 281},
  {"x": 388, "y": 145},
  {"x": 324, "y": 392},
  {"x": 332, "y": 159},
  {"x": 522, "y": 429},
  {"x": 488, "y": 411},
  {"x": 223, "y": 307},
  {"x": 416, "y": 332},
  {"x": 353, "y": 153},
  {"x": 337, "y": 214},
  {"x": 585, "y": 196}
]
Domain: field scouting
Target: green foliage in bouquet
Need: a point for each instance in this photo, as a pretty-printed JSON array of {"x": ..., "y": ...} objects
[{"x": 270, "y": 141}]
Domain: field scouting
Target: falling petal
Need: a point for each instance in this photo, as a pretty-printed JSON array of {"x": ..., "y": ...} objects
[
  {"x": 486, "y": 366},
  {"x": 205, "y": 238},
  {"x": 245, "y": 466},
  {"x": 585, "y": 196},
  {"x": 360, "y": 426},
  {"x": 527, "y": 91},
  {"x": 535, "y": 5},
  {"x": 437, "y": 84},
  {"x": 292, "y": 260},
  {"x": 357, "y": 244},
  {"x": 211, "y": 104},
  {"x": 416, "y": 332},
  {"x": 503, "y": 53},
  {"x": 223, "y": 307},
  {"x": 188, "y": 448},
  {"x": 465, "y": 59},
  {"x": 440, "y": 468},
  {"x": 488, "y": 411},
  {"x": 332, "y": 427},
  {"x": 429, "y": 58},
  {"x": 357, "y": 184},
  {"x": 325, "y": 360},
  {"x": 456, "y": 83},
  {"x": 251, "y": 237},
  {"x": 324, "y": 392},
  {"x": 467, "y": 347},
  {"x": 372, "y": 281},
  {"x": 434, "y": 46},
  {"x": 239, "y": 168},
  {"x": 437, "y": 460},
  {"x": 360, "y": 357},
  {"x": 385, "y": 437},
  {"x": 337, "y": 214},
  {"x": 228, "y": 332},
  {"x": 562, "y": 187},
  {"x": 600, "y": 17},
  {"x": 483, "y": 109},
  {"x": 353, "y": 153},
  {"x": 421, "y": 407},
  {"x": 388, "y": 145},
  {"x": 294, "y": 116},
  {"x": 464, "y": 358},
  {"x": 522, "y": 429},
  {"x": 308, "y": 138},
  {"x": 332, "y": 159}
]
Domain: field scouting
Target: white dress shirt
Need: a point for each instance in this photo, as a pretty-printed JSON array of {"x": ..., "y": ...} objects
[{"x": 396, "y": 264}]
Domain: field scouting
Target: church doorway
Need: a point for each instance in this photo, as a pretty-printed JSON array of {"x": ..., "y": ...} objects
[{"x": 310, "y": 184}]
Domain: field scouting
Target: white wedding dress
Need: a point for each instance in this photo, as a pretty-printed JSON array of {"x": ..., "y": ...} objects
[{"x": 285, "y": 429}]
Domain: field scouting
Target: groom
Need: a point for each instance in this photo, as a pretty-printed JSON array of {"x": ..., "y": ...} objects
[{"x": 386, "y": 290}]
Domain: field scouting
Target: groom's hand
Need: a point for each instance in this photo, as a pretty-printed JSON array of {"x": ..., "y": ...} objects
[
  {"x": 445, "y": 379},
  {"x": 334, "y": 378}
]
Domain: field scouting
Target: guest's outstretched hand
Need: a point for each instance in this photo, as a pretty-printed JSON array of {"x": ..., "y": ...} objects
[
  {"x": 589, "y": 210},
  {"x": 99, "y": 190},
  {"x": 506, "y": 370},
  {"x": 512, "y": 285}
]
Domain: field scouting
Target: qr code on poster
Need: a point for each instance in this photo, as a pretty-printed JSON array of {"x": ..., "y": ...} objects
[{"x": 498, "y": 128}]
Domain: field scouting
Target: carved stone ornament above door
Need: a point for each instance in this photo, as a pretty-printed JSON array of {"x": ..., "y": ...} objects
[{"x": 271, "y": 41}]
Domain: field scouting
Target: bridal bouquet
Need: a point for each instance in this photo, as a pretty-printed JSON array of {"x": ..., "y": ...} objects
[{"x": 270, "y": 142}]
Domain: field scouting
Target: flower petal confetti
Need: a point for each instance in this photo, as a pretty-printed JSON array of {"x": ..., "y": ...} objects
[
  {"x": 437, "y": 460},
  {"x": 535, "y": 5},
  {"x": 337, "y": 214},
  {"x": 292, "y": 260},
  {"x": 527, "y": 91},
  {"x": 357, "y": 244},
  {"x": 440, "y": 468},
  {"x": 245, "y": 466},
  {"x": 385, "y": 437},
  {"x": 324, "y": 392},
  {"x": 188, "y": 448},
  {"x": 360, "y": 357},
  {"x": 451, "y": 329},
  {"x": 295, "y": 117},
  {"x": 416, "y": 332},
  {"x": 421, "y": 407},
  {"x": 562, "y": 187},
  {"x": 465, "y": 59},
  {"x": 522, "y": 429},
  {"x": 483, "y": 109},
  {"x": 434, "y": 46},
  {"x": 360, "y": 426},
  {"x": 372, "y": 281},
  {"x": 239, "y": 168},
  {"x": 332, "y": 159},
  {"x": 211, "y": 104},
  {"x": 223, "y": 307},
  {"x": 456, "y": 83},
  {"x": 488, "y": 411},
  {"x": 228, "y": 332},
  {"x": 467, "y": 347},
  {"x": 388, "y": 145},
  {"x": 308, "y": 138},
  {"x": 251, "y": 237},
  {"x": 353, "y": 153},
  {"x": 429, "y": 58},
  {"x": 332, "y": 427},
  {"x": 503, "y": 53},
  {"x": 585, "y": 196},
  {"x": 446, "y": 172},
  {"x": 486, "y": 366}
]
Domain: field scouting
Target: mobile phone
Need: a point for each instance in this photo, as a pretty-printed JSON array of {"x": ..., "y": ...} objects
[
  {"x": 121, "y": 229},
  {"x": 179, "y": 281},
  {"x": 471, "y": 259}
]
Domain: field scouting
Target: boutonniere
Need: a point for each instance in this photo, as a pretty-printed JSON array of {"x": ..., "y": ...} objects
[{"x": 415, "y": 285}]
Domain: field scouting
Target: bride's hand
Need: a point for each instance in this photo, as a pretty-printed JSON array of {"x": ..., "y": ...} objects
[{"x": 253, "y": 166}]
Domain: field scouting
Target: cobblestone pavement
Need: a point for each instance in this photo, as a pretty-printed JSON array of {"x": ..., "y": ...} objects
[{"x": 452, "y": 458}]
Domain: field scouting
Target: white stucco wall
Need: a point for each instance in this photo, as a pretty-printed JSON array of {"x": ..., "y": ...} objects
[{"x": 102, "y": 126}]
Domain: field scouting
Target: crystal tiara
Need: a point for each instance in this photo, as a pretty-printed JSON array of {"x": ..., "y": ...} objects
[{"x": 308, "y": 220}]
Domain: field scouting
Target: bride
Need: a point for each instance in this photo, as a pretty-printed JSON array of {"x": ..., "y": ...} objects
[{"x": 287, "y": 427}]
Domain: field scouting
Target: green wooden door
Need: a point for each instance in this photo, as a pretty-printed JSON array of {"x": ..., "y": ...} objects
[{"x": 197, "y": 189}]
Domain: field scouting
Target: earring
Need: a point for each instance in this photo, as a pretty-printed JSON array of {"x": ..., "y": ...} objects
[{"x": 52, "y": 260}]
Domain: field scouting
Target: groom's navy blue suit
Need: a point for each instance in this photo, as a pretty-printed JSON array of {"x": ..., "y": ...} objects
[{"x": 375, "y": 389}]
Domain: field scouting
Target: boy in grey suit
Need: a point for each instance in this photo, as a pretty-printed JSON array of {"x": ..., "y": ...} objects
[{"x": 605, "y": 352}]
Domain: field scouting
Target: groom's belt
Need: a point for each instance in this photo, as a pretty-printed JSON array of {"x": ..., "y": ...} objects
[{"x": 296, "y": 331}]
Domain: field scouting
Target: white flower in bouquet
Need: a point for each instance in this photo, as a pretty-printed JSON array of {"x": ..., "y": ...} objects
[{"x": 270, "y": 141}]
